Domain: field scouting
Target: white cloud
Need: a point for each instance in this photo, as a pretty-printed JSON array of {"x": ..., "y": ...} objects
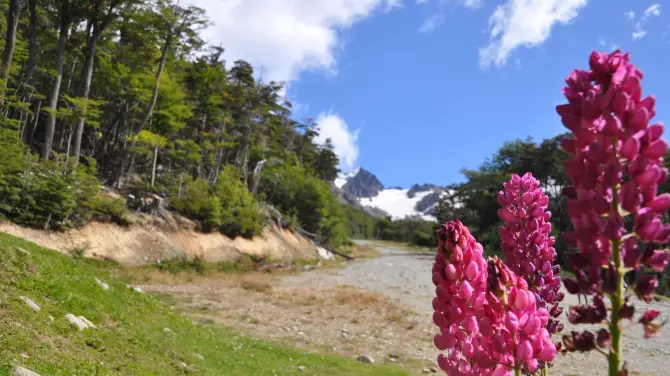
[
  {"x": 286, "y": 37},
  {"x": 473, "y": 3},
  {"x": 524, "y": 23},
  {"x": 345, "y": 142},
  {"x": 652, "y": 11},
  {"x": 630, "y": 14},
  {"x": 431, "y": 23},
  {"x": 422, "y": 2},
  {"x": 603, "y": 43}
]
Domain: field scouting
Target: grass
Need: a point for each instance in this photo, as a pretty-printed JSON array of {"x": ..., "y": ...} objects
[
  {"x": 407, "y": 246},
  {"x": 132, "y": 338},
  {"x": 361, "y": 251}
]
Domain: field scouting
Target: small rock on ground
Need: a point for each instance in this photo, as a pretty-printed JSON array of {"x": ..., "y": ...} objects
[
  {"x": 24, "y": 251},
  {"x": 365, "y": 359},
  {"x": 20, "y": 371},
  {"x": 88, "y": 323},
  {"x": 30, "y": 303},
  {"x": 301, "y": 368},
  {"x": 187, "y": 368},
  {"x": 80, "y": 322},
  {"x": 102, "y": 284}
]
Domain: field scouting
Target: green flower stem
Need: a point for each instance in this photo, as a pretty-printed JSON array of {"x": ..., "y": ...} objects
[{"x": 617, "y": 297}]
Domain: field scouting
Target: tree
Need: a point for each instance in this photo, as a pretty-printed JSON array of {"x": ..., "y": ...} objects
[
  {"x": 64, "y": 21},
  {"x": 326, "y": 162},
  {"x": 15, "y": 8},
  {"x": 100, "y": 14}
]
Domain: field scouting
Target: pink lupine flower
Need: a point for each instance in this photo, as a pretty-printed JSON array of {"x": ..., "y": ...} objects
[
  {"x": 527, "y": 242},
  {"x": 616, "y": 166},
  {"x": 489, "y": 320}
]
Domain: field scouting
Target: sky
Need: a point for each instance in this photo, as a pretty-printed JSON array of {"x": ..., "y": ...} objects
[{"x": 416, "y": 90}]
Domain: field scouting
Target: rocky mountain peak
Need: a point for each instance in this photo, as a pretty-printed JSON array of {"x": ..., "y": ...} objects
[{"x": 363, "y": 184}]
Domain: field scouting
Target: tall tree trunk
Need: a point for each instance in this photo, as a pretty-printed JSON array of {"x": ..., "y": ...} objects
[
  {"x": 10, "y": 42},
  {"x": 55, "y": 90},
  {"x": 32, "y": 40},
  {"x": 154, "y": 94},
  {"x": 30, "y": 128},
  {"x": 150, "y": 109},
  {"x": 153, "y": 167},
  {"x": 87, "y": 75}
]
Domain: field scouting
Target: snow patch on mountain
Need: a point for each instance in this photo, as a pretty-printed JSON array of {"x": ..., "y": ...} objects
[{"x": 397, "y": 204}]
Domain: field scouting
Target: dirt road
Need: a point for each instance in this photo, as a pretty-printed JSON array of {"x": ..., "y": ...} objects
[
  {"x": 378, "y": 307},
  {"x": 405, "y": 278}
]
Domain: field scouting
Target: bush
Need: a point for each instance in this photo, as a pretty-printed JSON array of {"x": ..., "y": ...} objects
[
  {"x": 291, "y": 189},
  {"x": 48, "y": 194},
  {"x": 183, "y": 264},
  {"x": 241, "y": 214},
  {"x": 227, "y": 206}
]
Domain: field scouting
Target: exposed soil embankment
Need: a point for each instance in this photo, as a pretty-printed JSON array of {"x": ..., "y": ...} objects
[{"x": 150, "y": 239}]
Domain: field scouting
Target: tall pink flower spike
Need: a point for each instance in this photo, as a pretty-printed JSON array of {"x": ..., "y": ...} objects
[
  {"x": 616, "y": 166},
  {"x": 528, "y": 244},
  {"x": 489, "y": 320}
]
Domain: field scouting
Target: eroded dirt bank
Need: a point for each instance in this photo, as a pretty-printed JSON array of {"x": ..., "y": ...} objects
[{"x": 149, "y": 240}]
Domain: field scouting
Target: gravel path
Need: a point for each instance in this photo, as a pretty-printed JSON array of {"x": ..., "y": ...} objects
[{"x": 404, "y": 277}]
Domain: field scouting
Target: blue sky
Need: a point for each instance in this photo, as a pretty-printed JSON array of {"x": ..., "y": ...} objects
[{"x": 416, "y": 90}]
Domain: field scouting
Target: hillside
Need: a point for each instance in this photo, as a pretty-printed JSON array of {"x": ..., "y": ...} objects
[{"x": 136, "y": 333}]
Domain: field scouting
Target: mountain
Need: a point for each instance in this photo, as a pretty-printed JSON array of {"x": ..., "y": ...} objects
[{"x": 362, "y": 188}]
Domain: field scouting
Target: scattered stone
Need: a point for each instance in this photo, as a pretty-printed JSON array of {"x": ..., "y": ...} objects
[
  {"x": 426, "y": 370},
  {"x": 166, "y": 330},
  {"x": 102, "y": 284},
  {"x": 306, "y": 268},
  {"x": 20, "y": 371},
  {"x": 433, "y": 370},
  {"x": 87, "y": 322},
  {"x": 187, "y": 368},
  {"x": 324, "y": 253},
  {"x": 77, "y": 321},
  {"x": 24, "y": 251},
  {"x": 51, "y": 318},
  {"x": 30, "y": 303},
  {"x": 301, "y": 368},
  {"x": 24, "y": 355},
  {"x": 365, "y": 359},
  {"x": 199, "y": 356}
]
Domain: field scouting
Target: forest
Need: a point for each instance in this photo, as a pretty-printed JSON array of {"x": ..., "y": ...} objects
[{"x": 125, "y": 95}]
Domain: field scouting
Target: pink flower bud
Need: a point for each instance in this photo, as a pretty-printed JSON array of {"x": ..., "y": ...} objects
[
  {"x": 658, "y": 260},
  {"x": 440, "y": 320},
  {"x": 450, "y": 271},
  {"x": 660, "y": 204},
  {"x": 630, "y": 148},
  {"x": 548, "y": 352},
  {"x": 466, "y": 290},
  {"x": 656, "y": 149},
  {"x": 524, "y": 350},
  {"x": 472, "y": 271}
]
